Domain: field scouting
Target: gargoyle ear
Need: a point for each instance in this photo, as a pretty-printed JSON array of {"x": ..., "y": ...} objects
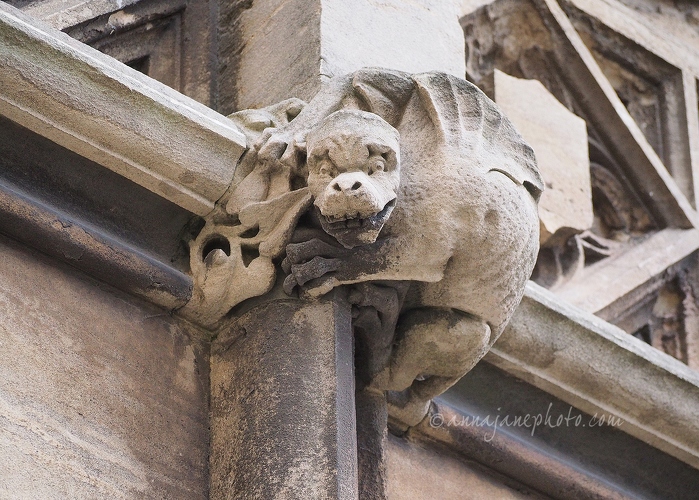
[
  {"x": 286, "y": 111},
  {"x": 383, "y": 92}
]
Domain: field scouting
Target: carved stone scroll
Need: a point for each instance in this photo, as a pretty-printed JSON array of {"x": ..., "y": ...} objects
[{"x": 414, "y": 191}]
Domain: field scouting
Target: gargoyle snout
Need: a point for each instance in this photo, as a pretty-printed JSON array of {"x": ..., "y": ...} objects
[
  {"x": 350, "y": 195},
  {"x": 348, "y": 182}
]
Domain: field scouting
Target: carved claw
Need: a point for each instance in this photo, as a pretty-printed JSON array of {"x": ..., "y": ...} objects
[
  {"x": 311, "y": 264},
  {"x": 298, "y": 253},
  {"x": 289, "y": 284},
  {"x": 279, "y": 148},
  {"x": 308, "y": 272}
]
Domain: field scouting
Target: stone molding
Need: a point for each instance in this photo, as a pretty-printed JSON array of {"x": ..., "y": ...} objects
[
  {"x": 109, "y": 113},
  {"x": 598, "y": 367}
]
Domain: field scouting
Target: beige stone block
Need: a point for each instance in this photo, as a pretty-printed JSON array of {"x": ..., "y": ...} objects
[
  {"x": 559, "y": 140},
  {"x": 415, "y": 36},
  {"x": 282, "y": 49},
  {"x": 101, "y": 395},
  {"x": 295, "y": 45}
]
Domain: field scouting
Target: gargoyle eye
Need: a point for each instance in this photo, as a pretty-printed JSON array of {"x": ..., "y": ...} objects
[{"x": 378, "y": 166}]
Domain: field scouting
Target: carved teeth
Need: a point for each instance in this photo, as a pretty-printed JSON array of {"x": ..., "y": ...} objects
[{"x": 349, "y": 222}]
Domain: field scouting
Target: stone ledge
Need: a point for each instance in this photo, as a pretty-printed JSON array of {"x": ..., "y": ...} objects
[
  {"x": 62, "y": 14},
  {"x": 599, "y": 368},
  {"x": 91, "y": 250},
  {"x": 512, "y": 456},
  {"x": 111, "y": 114},
  {"x": 604, "y": 283}
]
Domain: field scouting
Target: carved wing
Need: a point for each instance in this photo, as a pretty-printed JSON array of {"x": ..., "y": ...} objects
[{"x": 469, "y": 121}]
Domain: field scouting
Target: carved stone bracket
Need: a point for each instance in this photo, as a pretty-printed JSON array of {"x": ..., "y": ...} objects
[{"x": 414, "y": 191}]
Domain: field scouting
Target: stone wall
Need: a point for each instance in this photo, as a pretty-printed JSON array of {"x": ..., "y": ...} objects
[
  {"x": 101, "y": 396},
  {"x": 420, "y": 472}
]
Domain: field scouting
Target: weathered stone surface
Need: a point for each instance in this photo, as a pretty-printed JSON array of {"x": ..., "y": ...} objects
[
  {"x": 372, "y": 435},
  {"x": 414, "y": 37},
  {"x": 419, "y": 472},
  {"x": 282, "y": 404},
  {"x": 304, "y": 43},
  {"x": 101, "y": 396},
  {"x": 282, "y": 38},
  {"x": 169, "y": 40},
  {"x": 559, "y": 140},
  {"x": 62, "y": 14}
]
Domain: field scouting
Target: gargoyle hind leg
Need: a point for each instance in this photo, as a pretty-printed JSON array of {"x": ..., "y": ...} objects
[{"x": 434, "y": 349}]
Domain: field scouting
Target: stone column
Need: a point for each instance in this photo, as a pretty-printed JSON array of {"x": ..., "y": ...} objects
[{"x": 282, "y": 403}]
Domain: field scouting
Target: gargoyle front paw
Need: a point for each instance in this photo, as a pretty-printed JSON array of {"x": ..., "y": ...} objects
[
  {"x": 279, "y": 147},
  {"x": 311, "y": 265},
  {"x": 300, "y": 253},
  {"x": 308, "y": 275}
]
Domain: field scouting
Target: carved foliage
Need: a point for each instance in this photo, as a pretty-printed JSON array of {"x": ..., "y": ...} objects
[{"x": 232, "y": 257}]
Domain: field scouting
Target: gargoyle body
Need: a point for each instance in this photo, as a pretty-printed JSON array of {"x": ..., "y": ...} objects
[{"x": 424, "y": 206}]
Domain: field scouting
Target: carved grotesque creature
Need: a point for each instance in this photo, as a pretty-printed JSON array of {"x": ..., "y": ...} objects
[
  {"x": 421, "y": 200},
  {"x": 431, "y": 195}
]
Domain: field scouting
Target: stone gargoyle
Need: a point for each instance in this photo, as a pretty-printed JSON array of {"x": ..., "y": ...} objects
[{"x": 413, "y": 192}]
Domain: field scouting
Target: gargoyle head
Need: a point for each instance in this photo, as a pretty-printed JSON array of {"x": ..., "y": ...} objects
[{"x": 353, "y": 174}]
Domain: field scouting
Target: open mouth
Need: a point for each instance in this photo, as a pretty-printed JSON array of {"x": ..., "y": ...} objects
[{"x": 333, "y": 224}]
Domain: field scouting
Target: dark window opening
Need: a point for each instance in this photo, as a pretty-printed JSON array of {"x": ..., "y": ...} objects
[{"x": 141, "y": 64}]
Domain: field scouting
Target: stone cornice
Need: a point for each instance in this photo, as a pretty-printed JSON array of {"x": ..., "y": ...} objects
[
  {"x": 598, "y": 367},
  {"x": 105, "y": 111}
]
